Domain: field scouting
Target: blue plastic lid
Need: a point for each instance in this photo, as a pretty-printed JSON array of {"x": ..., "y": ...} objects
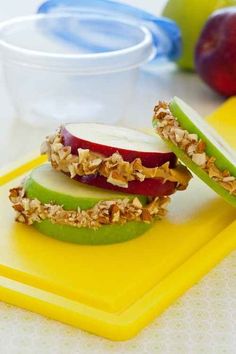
[{"x": 165, "y": 33}]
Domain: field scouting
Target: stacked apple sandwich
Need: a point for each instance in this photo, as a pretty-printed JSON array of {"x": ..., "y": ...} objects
[{"x": 103, "y": 184}]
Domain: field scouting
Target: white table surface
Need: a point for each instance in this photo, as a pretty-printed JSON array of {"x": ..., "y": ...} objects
[{"x": 204, "y": 319}]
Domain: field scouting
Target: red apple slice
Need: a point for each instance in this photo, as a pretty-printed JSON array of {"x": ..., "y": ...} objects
[
  {"x": 107, "y": 139},
  {"x": 149, "y": 187},
  {"x": 131, "y": 144}
]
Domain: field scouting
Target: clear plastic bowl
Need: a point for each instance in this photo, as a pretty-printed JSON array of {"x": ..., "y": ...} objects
[{"x": 52, "y": 80}]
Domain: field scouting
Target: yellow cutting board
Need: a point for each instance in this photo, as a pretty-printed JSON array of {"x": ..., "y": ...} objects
[{"x": 115, "y": 290}]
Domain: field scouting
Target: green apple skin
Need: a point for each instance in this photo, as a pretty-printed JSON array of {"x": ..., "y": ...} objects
[
  {"x": 191, "y": 17},
  {"x": 50, "y": 186},
  {"x": 107, "y": 234}
]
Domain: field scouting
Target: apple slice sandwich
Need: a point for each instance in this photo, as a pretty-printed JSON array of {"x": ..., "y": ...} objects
[
  {"x": 198, "y": 146},
  {"x": 115, "y": 158},
  {"x": 104, "y": 184}
]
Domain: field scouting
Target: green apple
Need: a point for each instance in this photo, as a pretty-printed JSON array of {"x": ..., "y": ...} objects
[
  {"x": 106, "y": 234},
  {"x": 191, "y": 121},
  {"x": 191, "y": 17},
  {"x": 50, "y": 186}
]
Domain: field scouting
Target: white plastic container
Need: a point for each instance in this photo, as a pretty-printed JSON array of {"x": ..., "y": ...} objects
[{"x": 90, "y": 78}]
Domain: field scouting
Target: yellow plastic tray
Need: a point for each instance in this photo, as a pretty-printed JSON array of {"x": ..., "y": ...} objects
[{"x": 115, "y": 290}]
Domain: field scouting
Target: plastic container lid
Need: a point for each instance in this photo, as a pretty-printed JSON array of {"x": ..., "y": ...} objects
[
  {"x": 166, "y": 37},
  {"x": 30, "y": 40}
]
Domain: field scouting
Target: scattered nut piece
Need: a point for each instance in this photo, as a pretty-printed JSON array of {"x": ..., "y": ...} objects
[{"x": 199, "y": 159}]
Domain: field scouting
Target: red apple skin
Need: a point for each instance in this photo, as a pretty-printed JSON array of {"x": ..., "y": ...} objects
[
  {"x": 149, "y": 159},
  {"x": 215, "y": 55},
  {"x": 149, "y": 187}
]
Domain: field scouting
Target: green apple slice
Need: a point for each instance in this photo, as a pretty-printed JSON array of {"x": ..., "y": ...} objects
[
  {"x": 225, "y": 156},
  {"x": 198, "y": 171},
  {"x": 50, "y": 186},
  {"x": 106, "y": 234},
  {"x": 216, "y": 146}
]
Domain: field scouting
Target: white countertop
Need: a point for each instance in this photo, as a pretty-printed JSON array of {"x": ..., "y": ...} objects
[{"x": 204, "y": 319}]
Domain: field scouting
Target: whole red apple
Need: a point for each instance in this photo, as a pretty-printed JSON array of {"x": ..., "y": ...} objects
[{"x": 215, "y": 54}]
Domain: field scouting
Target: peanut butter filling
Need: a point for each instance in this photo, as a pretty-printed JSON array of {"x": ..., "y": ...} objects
[
  {"x": 117, "y": 171},
  {"x": 169, "y": 128},
  {"x": 103, "y": 213}
]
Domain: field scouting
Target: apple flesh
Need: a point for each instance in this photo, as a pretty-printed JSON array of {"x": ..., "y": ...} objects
[
  {"x": 190, "y": 120},
  {"x": 215, "y": 55},
  {"x": 107, "y": 140}
]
